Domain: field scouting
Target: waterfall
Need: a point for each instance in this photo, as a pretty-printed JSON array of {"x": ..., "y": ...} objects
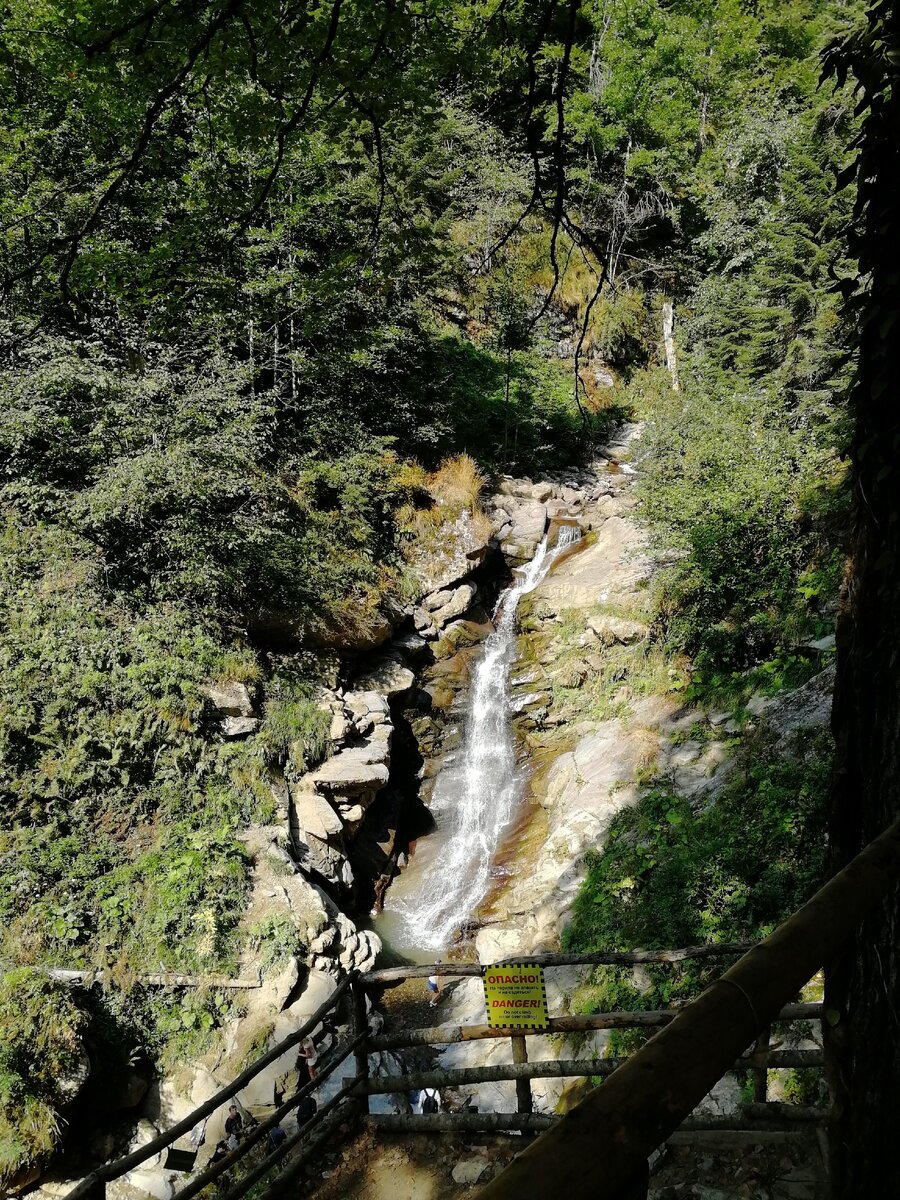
[{"x": 475, "y": 798}]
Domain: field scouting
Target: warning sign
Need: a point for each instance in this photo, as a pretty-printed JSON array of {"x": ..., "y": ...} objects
[{"x": 515, "y": 996}]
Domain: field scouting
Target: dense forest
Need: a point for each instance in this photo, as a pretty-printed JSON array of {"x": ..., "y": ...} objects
[{"x": 265, "y": 267}]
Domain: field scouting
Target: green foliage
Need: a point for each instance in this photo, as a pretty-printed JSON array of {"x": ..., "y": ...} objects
[
  {"x": 249, "y": 282},
  {"x": 295, "y": 730},
  {"x": 275, "y": 940},
  {"x": 40, "y": 1051},
  {"x": 669, "y": 875},
  {"x": 742, "y": 470},
  {"x": 620, "y": 333}
]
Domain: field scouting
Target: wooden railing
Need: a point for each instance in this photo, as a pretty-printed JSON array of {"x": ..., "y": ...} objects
[
  {"x": 93, "y": 1187},
  {"x": 599, "y": 1149}
]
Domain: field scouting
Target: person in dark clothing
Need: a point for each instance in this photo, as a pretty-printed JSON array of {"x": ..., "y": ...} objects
[
  {"x": 234, "y": 1122},
  {"x": 276, "y": 1137},
  {"x": 219, "y": 1153},
  {"x": 306, "y": 1110}
]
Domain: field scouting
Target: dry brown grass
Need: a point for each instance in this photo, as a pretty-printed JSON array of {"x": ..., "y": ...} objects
[{"x": 457, "y": 482}]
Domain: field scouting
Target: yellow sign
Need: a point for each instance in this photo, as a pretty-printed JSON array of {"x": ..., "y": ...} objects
[{"x": 515, "y": 996}]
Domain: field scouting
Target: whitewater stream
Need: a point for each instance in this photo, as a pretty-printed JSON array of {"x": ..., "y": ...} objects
[{"x": 476, "y": 795}]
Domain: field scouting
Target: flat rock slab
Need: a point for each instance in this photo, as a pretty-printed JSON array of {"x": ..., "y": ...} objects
[
  {"x": 231, "y": 698},
  {"x": 351, "y": 770},
  {"x": 609, "y": 571}
]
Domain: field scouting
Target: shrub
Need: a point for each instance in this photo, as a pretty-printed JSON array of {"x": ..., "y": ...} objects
[{"x": 40, "y": 1048}]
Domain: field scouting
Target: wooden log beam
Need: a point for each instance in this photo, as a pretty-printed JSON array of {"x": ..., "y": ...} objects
[
  {"x": 445, "y": 1122},
  {"x": 524, "y": 1102},
  {"x": 447, "y": 1034},
  {"x": 735, "y": 1138},
  {"x": 87, "y": 978},
  {"x": 389, "y": 976},
  {"x": 776, "y": 1110},
  {"x": 360, "y": 1028},
  {"x": 601, "y": 1144},
  {"x": 563, "y": 1068},
  {"x": 761, "y": 1066}
]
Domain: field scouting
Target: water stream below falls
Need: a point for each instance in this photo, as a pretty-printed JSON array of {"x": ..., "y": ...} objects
[{"x": 476, "y": 794}]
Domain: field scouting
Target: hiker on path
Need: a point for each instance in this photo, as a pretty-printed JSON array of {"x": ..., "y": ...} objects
[
  {"x": 311, "y": 1054},
  {"x": 434, "y": 988}
]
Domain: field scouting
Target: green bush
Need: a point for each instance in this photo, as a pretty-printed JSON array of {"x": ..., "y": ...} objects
[
  {"x": 671, "y": 876},
  {"x": 41, "y": 1047}
]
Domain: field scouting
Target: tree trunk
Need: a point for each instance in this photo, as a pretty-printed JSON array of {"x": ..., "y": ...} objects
[{"x": 863, "y": 985}]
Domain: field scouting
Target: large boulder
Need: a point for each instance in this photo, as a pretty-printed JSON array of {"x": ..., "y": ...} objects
[
  {"x": 231, "y": 698},
  {"x": 459, "y": 545},
  {"x": 313, "y": 813},
  {"x": 529, "y": 521},
  {"x": 390, "y": 676},
  {"x": 609, "y": 630},
  {"x": 609, "y": 572},
  {"x": 351, "y": 771},
  {"x": 455, "y": 606}
]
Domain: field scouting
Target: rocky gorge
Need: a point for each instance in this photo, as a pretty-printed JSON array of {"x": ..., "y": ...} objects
[{"x": 593, "y": 719}]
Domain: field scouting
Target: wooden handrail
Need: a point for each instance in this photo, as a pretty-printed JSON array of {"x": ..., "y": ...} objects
[
  {"x": 609, "y": 958},
  {"x": 557, "y": 1068},
  {"x": 445, "y": 1035},
  {"x": 115, "y": 1169},
  {"x": 259, "y": 1131},
  {"x": 751, "y": 1118},
  {"x": 601, "y": 1146}
]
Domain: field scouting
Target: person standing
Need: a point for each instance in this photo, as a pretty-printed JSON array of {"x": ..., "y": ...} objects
[
  {"x": 310, "y": 1053},
  {"x": 434, "y": 989}
]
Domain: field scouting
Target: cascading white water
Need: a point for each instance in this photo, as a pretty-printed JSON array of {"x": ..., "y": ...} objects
[{"x": 476, "y": 798}]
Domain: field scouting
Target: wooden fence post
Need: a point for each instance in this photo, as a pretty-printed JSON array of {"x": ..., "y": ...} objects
[
  {"x": 639, "y": 1186},
  {"x": 524, "y": 1101},
  {"x": 760, "y": 1066},
  {"x": 360, "y": 1025}
]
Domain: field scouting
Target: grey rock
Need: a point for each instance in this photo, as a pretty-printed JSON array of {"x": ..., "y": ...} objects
[
  {"x": 459, "y": 601},
  {"x": 233, "y": 727},
  {"x": 469, "y": 1170},
  {"x": 437, "y": 599},
  {"x": 366, "y": 702},
  {"x": 822, "y": 645},
  {"x": 351, "y": 770},
  {"x": 529, "y": 520},
  {"x": 610, "y": 630},
  {"x": 232, "y": 699},
  {"x": 520, "y": 488},
  {"x": 757, "y": 705},
  {"x": 340, "y": 727},
  {"x": 313, "y": 812},
  {"x": 284, "y": 983},
  {"x": 410, "y": 643},
  {"x": 390, "y": 676}
]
